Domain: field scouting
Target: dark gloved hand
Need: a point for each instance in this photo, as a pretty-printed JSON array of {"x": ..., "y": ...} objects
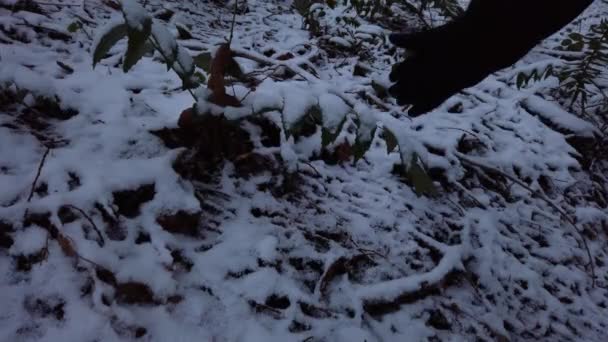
[
  {"x": 491, "y": 35},
  {"x": 440, "y": 62}
]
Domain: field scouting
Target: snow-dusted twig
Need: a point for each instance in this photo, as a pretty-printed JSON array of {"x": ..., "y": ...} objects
[
  {"x": 254, "y": 56},
  {"x": 236, "y": 9},
  {"x": 468, "y": 193},
  {"x": 101, "y": 241},
  {"x": 405, "y": 289},
  {"x": 40, "y": 166}
]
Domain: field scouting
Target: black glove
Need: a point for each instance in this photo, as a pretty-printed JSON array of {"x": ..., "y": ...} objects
[
  {"x": 491, "y": 35},
  {"x": 440, "y": 63}
]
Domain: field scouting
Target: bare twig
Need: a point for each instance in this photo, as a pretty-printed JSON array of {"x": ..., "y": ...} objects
[
  {"x": 377, "y": 101},
  {"x": 313, "y": 168},
  {"x": 266, "y": 60},
  {"x": 366, "y": 251},
  {"x": 101, "y": 241},
  {"x": 46, "y": 153},
  {"x": 236, "y": 9}
]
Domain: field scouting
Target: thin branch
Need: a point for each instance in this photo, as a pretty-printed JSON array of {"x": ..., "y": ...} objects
[
  {"x": 236, "y": 8},
  {"x": 101, "y": 241},
  {"x": 46, "y": 153},
  {"x": 266, "y": 60}
]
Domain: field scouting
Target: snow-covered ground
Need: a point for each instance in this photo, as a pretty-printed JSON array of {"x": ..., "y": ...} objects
[{"x": 139, "y": 230}]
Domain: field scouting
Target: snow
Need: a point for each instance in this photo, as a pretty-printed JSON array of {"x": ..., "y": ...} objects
[
  {"x": 184, "y": 64},
  {"x": 297, "y": 101},
  {"x": 267, "y": 248},
  {"x": 165, "y": 40},
  {"x": 105, "y": 28},
  {"x": 32, "y": 240},
  {"x": 340, "y": 42},
  {"x": 334, "y": 110},
  {"x": 486, "y": 255},
  {"x": 559, "y": 117},
  {"x": 135, "y": 15}
]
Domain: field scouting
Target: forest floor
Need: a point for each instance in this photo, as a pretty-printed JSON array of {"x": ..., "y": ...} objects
[{"x": 117, "y": 224}]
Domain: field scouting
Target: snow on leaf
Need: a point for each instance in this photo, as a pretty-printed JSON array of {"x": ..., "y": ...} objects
[
  {"x": 422, "y": 182},
  {"x": 136, "y": 48},
  {"x": 390, "y": 139},
  {"x": 136, "y": 17},
  {"x": 165, "y": 42},
  {"x": 328, "y": 136},
  {"x": 107, "y": 38},
  {"x": 334, "y": 110},
  {"x": 363, "y": 143},
  {"x": 298, "y": 100},
  {"x": 184, "y": 67}
]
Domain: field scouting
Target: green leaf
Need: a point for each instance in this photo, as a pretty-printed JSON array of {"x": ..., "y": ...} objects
[
  {"x": 307, "y": 124},
  {"x": 328, "y": 137},
  {"x": 390, "y": 139},
  {"x": 576, "y": 47},
  {"x": 361, "y": 146},
  {"x": 109, "y": 39},
  {"x": 136, "y": 47},
  {"x": 521, "y": 80},
  {"x": 149, "y": 49},
  {"x": 575, "y": 36},
  {"x": 203, "y": 61},
  {"x": 548, "y": 72},
  {"x": 422, "y": 182},
  {"x": 165, "y": 43},
  {"x": 73, "y": 27},
  {"x": 183, "y": 32}
]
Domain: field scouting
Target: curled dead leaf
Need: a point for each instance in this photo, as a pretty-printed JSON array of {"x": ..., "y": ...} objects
[
  {"x": 222, "y": 60},
  {"x": 66, "y": 245},
  {"x": 337, "y": 268}
]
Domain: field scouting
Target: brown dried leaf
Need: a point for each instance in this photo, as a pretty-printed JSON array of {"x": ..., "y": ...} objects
[
  {"x": 221, "y": 61},
  {"x": 185, "y": 118},
  {"x": 343, "y": 152},
  {"x": 66, "y": 245},
  {"x": 112, "y": 4},
  {"x": 337, "y": 268}
]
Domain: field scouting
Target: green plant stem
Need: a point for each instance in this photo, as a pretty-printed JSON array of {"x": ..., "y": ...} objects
[{"x": 155, "y": 45}]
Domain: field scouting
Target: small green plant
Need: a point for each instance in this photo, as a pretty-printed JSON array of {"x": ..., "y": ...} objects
[
  {"x": 580, "y": 86},
  {"x": 579, "y": 79},
  {"x": 143, "y": 32}
]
